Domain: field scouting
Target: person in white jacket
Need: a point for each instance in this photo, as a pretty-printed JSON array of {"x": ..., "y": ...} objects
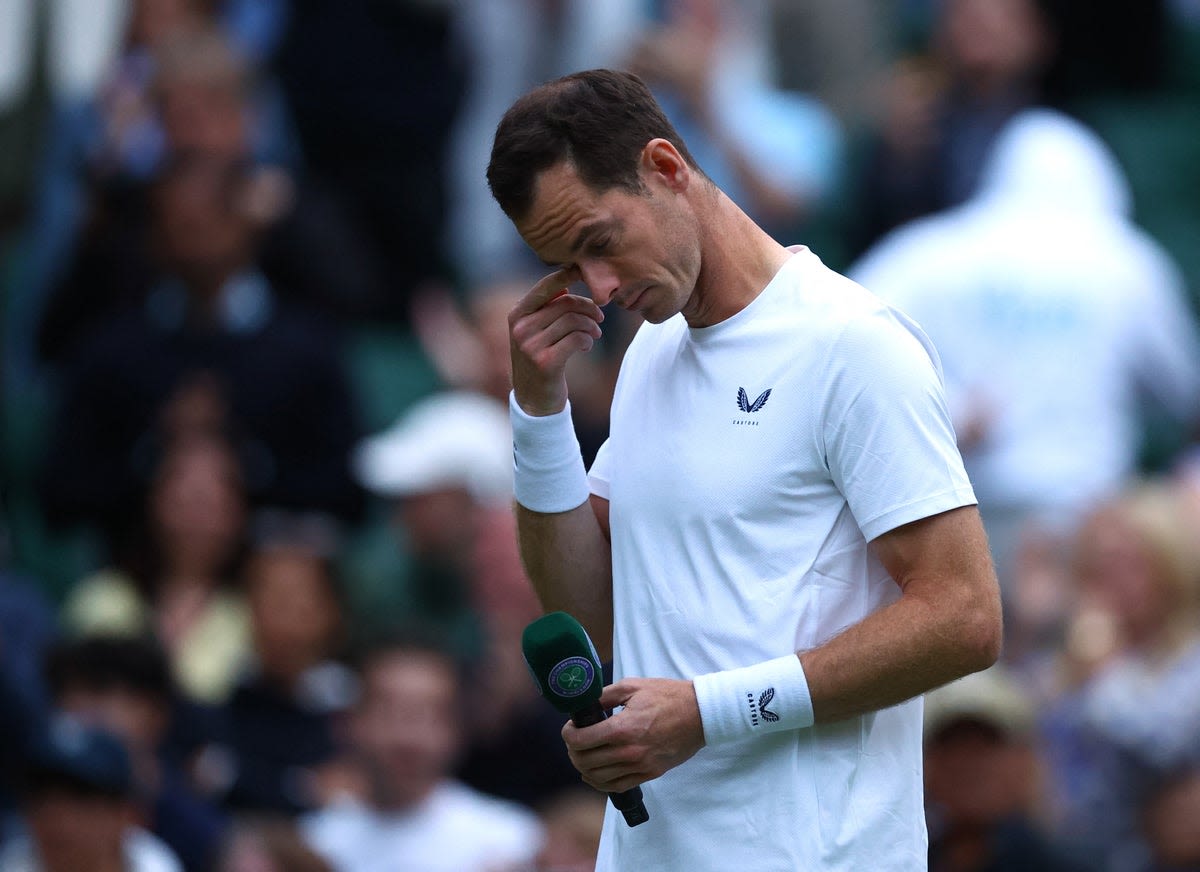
[{"x": 1055, "y": 317}]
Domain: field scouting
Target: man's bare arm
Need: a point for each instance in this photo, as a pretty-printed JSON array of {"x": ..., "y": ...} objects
[
  {"x": 946, "y": 624},
  {"x": 568, "y": 559},
  {"x": 566, "y": 554}
]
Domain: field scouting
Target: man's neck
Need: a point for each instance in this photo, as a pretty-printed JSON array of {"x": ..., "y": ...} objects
[{"x": 739, "y": 260}]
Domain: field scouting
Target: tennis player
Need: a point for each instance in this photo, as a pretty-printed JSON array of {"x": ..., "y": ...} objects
[{"x": 777, "y": 545}]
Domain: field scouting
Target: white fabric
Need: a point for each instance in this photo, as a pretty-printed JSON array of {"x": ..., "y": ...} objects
[
  {"x": 143, "y": 853},
  {"x": 742, "y": 703},
  {"x": 548, "y": 469},
  {"x": 455, "y": 829},
  {"x": 1052, "y": 315},
  {"x": 740, "y": 536}
]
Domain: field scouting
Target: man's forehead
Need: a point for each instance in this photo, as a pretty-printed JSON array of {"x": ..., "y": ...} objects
[{"x": 562, "y": 205}]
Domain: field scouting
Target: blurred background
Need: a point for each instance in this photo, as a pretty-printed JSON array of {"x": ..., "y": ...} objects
[{"x": 255, "y": 535}]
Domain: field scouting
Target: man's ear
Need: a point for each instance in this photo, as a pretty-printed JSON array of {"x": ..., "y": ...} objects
[{"x": 662, "y": 160}]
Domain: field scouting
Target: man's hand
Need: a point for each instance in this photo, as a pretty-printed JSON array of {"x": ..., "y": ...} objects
[
  {"x": 658, "y": 728},
  {"x": 546, "y": 328}
]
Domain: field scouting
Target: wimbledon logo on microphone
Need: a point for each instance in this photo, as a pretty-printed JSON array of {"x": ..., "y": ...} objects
[{"x": 572, "y": 676}]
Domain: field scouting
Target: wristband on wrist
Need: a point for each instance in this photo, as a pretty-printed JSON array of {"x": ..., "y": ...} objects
[
  {"x": 548, "y": 473},
  {"x": 764, "y": 698}
]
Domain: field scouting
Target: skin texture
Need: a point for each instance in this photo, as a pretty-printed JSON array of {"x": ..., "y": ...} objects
[{"x": 681, "y": 246}]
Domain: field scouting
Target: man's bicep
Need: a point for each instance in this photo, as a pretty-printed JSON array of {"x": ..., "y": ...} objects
[{"x": 947, "y": 548}]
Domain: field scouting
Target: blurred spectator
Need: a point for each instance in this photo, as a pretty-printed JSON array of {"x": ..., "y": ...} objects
[
  {"x": 373, "y": 88},
  {"x": 407, "y": 729},
  {"x": 516, "y": 752},
  {"x": 204, "y": 97},
  {"x": 834, "y": 50},
  {"x": 572, "y": 819},
  {"x": 942, "y": 109},
  {"x": 176, "y": 580},
  {"x": 102, "y": 137},
  {"x": 27, "y": 628},
  {"x": 1127, "y": 703},
  {"x": 445, "y": 469},
  {"x": 981, "y": 780},
  {"x": 775, "y": 152},
  {"x": 269, "y": 845},
  {"x": 281, "y": 723},
  {"x": 1054, "y": 317},
  {"x": 78, "y": 796},
  {"x": 124, "y": 686},
  {"x": 274, "y": 373},
  {"x": 1169, "y": 819}
]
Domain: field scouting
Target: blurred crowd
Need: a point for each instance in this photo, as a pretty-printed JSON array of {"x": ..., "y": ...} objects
[{"x": 260, "y": 598}]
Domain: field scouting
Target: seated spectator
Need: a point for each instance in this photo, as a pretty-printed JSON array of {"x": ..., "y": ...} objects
[
  {"x": 277, "y": 371},
  {"x": 203, "y": 97},
  {"x": 28, "y": 627},
  {"x": 984, "y": 62},
  {"x": 573, "y": 819},
  {"x": 1128, "y": 698},
  {"x": 269, "y": 845},
  {"x": 280, "y": 726},
  {"x": 78, "y": 797},
  {"x": 1169, "y": 816},
  {"x": 445, "y": 471},
  {"x": 773, "y": 150},
  {"x": 405, "y": 732},
  {"x": 981, "y": 780},
  {"x": 176, "y": 580},
  {"x": 124, "y": 686}
]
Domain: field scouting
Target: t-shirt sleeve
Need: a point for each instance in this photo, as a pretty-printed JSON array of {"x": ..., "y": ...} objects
[
  {"x": 889, "y": 442},
  {"x": 598, "y": 475}
]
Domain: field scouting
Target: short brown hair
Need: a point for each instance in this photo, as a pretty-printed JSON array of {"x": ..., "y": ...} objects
[{"x": 599, "y": 120}]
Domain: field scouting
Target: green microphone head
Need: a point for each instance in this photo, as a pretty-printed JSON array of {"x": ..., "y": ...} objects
[{"x": 563, "y": 662}]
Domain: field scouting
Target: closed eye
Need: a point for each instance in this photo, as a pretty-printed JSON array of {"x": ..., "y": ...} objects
[{"x": 601, "y": 245}]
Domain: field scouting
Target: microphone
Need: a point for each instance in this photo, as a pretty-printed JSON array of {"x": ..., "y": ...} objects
[{"x": 566, "y": 670}]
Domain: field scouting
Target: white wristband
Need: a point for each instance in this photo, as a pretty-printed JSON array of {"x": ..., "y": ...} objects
[
  {"x": 548, "y": 473},
  {"x": 764, "y": 698}
]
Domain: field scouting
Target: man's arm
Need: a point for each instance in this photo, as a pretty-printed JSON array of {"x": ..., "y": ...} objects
[
  {"x": 947, "y": 623},
  {"x": 566, "y": 553},
  {"x": 568, "y": 558}
]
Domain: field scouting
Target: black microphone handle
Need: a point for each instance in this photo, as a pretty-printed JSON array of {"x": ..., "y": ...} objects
[{"x": 628, "y": 802}]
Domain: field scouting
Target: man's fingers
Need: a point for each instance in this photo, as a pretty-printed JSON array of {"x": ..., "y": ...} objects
[
  {"x": 544, "y": 291},
  {"x": 615, "y": 778},
  {"x": 617, "y": 694},
  {"x": 559, "y": 307}
]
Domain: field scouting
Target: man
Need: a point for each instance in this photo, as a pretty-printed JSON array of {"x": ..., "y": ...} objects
[
  {"x": 406, "y": 731},
  {"x": 1056, "y": 319},
  {"x": 124, "y": 686},
  {"x": 981, "y": 780},
  {"x": 78, "y": 795},
  {"x": 770, "y": 420}
]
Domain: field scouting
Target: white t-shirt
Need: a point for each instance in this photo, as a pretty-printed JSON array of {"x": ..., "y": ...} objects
[
  {"x": 456, "y": 829},
  {"x": 143, "y": 853},
  {"x": 748, "y": 465}
]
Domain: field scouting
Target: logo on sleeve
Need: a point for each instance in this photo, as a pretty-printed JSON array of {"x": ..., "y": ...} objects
[{"x": 758, "y": 710}]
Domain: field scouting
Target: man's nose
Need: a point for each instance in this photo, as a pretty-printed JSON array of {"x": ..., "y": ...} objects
[{"x": 601, "y": 280}]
